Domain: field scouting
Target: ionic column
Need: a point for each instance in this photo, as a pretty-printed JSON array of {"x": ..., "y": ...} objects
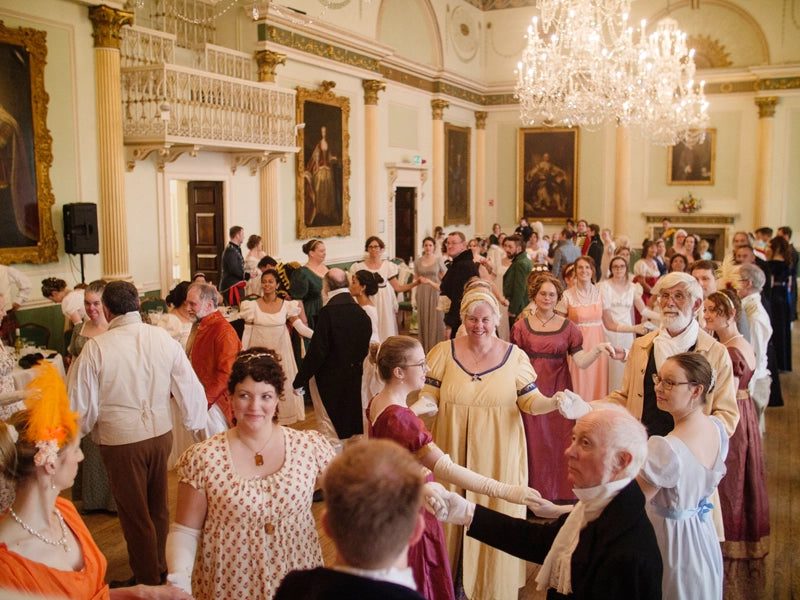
[
  {"x": 106, "y": 25},
  {"x": 270, "y": 210},
  {"x": 438, "y": 107},
  {"x": 480, "y": 172},
  {"x": 766, "y": 124},
  {"x": 371, "y": 160},
  {"x": 622, "y": 181}
]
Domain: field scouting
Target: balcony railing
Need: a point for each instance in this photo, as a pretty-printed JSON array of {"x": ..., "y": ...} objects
[
  {"x": 142, "y": 46},
  {"x": 174, "y": 104},
  {"x": 224, "y": 61}
]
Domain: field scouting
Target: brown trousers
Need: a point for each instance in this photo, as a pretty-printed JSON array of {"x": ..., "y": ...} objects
[{"x": 137, "y": 474}]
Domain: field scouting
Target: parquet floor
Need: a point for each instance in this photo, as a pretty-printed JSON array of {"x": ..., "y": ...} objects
[{"x": 782, "y": 447}]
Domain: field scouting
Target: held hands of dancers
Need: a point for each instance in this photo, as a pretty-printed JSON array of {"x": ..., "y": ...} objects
[
  {"x": 425, "y": 406},
  {"x": 571, "y": 405}
]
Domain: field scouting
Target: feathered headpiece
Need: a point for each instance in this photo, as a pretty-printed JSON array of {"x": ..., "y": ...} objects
[{"x": 51, "y": 423}]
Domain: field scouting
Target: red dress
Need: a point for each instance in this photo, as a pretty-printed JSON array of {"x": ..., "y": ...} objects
[
  {"x": 428, "y": 557},
  {"x": 743, "y": 490},
  {"x": 548, "y": 436}
]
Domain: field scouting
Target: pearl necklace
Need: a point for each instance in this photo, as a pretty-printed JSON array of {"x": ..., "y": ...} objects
[
  {"x": 62, "y": 542},
  {"x": 730, "y": 339}
]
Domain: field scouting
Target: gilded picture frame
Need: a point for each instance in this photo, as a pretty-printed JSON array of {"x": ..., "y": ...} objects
[
  {"x": 26, "y": 154},
  {"x": 693, "y": 164},
  {"x": 457, "y": 183},
  {"x": 323, "y": 163},
  {"x": 547, "y": 173}
]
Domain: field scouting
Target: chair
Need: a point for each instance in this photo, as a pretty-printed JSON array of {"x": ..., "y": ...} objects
[
  {"x": 33, "y": 332},
  {"x": 151, "y": 303}
]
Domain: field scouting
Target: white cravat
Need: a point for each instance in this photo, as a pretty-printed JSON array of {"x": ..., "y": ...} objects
[
  {"x": 556, "y": 571},
  {"x": 403, "y": 577},
  {"x": 665, "y": 345}
]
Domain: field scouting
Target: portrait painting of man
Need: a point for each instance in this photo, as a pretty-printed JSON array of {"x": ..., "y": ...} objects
[{"x": 547, "y": 173}]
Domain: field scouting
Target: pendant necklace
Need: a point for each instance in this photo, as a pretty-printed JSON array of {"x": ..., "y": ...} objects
[
  {"x": 544, "y": 323},
  {"x": 257, "y": 458},
  {"x": 62, "y": 542}
]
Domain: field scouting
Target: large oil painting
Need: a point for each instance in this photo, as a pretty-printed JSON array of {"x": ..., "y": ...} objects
[
  {"x": 547, "y": 174},
  {"x": 26, "y": 195},
  {"x": 323, "y": 167},
  {"x": 693, "y": 163},
  {"x": 456, "y": 184}
]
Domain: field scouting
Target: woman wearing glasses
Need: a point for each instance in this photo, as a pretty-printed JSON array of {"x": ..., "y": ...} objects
[
  {"x": 386, "y": 298},
  {"x": 681, "y": 472},
  {"x": 401, "y": 364}
]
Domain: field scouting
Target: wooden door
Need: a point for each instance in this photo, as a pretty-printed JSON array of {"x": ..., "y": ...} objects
[
  {"x": 405, "y": 222},
  {"x": 206, "y": 233}
]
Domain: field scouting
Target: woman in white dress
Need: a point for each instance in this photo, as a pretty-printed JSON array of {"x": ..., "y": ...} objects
[
  {"x": 269, "y": 316},
  {"x": 608, "y": 252},
  {"x": 682, "y": 470},
  {"x": 178, "y": 324},
  {"x": 386, "y": 298},
  {"x": 71, "y": 301},
  {"x": 645, "y": 270},
  {"x": 620, "y": 296},
  {"x": 256, "y": 246},
  {"x": 363, "y": 287}
]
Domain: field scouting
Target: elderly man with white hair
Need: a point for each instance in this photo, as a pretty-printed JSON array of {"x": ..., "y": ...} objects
[
  {"x": 680, "y": 297},
  {"x": 606, "y": 546}
]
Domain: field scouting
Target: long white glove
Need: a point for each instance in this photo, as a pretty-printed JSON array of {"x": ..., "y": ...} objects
[
  {"x": 425, "y": 406},
  {"x": 570, "y": 405},
  {"x": 547, "y": 510},
  {"x": 302, "y": 328},
  {"x": 181, "y": 549},
  {"x": 447, "y": 506},
  {"x": 446, "y": 470}
]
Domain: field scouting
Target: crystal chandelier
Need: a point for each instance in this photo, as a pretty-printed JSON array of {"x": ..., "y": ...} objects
[{"x": 581, "y": 67}]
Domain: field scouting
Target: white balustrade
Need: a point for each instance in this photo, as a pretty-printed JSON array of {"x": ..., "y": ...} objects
[
  {"x": 205, "y": 108},
  {"x": 192, "y": 21},
  {"x": 224, "y": 61},
  {"x": 142, "y": 46}
]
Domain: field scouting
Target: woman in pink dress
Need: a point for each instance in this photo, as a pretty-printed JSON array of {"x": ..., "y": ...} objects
[
  {"x": 401, "y": 364},
  {"x": 548, "y": 339},
  {"x": 583, "y": 305}
]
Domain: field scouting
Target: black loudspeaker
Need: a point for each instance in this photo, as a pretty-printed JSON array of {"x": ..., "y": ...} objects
[{"x": 80, "y": 228}]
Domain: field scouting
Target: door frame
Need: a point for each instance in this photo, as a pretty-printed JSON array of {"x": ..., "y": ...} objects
[
  {"x": 404, "y": 175},
  {"x": 165, "y": 224}
]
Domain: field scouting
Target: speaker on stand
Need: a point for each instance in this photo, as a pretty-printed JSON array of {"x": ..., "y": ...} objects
[{"x": 80, "y": 230}]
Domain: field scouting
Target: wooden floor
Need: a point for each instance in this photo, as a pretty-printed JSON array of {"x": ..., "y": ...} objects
[{"x": 782, "y": 447}]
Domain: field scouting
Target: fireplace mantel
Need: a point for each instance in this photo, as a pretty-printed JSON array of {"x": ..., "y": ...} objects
[
  {"x": 716, "y": 228},
  {"x": 695, "y": 218}
]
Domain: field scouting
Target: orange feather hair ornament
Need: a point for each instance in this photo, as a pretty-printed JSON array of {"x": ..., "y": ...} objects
[{"x": 51, "y": 423}]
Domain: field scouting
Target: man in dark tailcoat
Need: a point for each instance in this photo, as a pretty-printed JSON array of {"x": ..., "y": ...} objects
[{"x": 335, "y": 358}]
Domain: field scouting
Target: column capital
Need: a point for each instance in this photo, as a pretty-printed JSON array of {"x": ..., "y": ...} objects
[
  {"x": 371, "y": 89},
  {"x": 480, "y": 119},
  {"x": 438, "y": 107},
  {"x": 766, "y": 106},
  {"x": 268, "y": 62},
  {"x": 106, "y": 25}
]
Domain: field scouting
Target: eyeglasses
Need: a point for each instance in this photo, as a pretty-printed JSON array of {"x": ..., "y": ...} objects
[
  {"x": 667, "y": 384},
  {"x": 422, "y": 365},
  {"x": 372, "y": 246},
  {"x": 677, "y": 297}
]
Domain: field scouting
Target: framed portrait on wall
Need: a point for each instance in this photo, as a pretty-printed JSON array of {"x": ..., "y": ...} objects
[
  {"x": 456, "y": 183},
  {"x": 547, "y": 180},
  {"x": 693, "y": 164},
  {"x": 323, "y": 165},
  {"x": 26, "y": 193}
]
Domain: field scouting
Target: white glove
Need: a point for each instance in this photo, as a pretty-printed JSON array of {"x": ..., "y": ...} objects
[
  {"x": 181, "y": 549},
  {"x": 604, "y": 347},
  {"x": 547, "y": 510},
  {"x": 570, "y": 405},
  {"x": 303, "y": 329},
  {"x": 425, "y": 407},
  {"x": 447, "y": 506}
]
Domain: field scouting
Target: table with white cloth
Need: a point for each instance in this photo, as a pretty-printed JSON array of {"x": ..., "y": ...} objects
[{"x": 23, "y": 377}]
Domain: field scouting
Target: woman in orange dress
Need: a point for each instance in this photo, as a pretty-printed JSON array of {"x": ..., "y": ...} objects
[{"x": 45, "y": 548}]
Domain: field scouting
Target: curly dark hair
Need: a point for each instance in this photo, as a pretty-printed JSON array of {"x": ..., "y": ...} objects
[
  {"x": 52, "y": 284},
  {"x": 369, "y": 280},
  {"x": 262, "y": 364}
]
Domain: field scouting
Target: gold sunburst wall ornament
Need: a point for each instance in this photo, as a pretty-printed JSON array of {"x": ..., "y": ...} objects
[{"x": 709, "y": 53}]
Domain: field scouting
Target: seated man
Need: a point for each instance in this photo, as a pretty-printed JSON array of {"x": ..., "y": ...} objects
[
  {"x": 373, "y": 493},
  {"x": 605, "y": 547}
]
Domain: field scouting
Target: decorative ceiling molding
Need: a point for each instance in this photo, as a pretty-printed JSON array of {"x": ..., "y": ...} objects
[
  {"x": 709, "y": 53},
  {"x": 500, "y": 4}
]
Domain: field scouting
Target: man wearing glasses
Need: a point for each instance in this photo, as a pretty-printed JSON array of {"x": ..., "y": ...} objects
[{"x": 680, "y": 297}]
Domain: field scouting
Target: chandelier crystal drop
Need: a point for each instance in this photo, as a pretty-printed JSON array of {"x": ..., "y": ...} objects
[{"x": 582, "y": 67}]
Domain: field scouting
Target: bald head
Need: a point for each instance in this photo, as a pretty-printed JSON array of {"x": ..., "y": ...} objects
[{"x": 335, "y": 279}]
